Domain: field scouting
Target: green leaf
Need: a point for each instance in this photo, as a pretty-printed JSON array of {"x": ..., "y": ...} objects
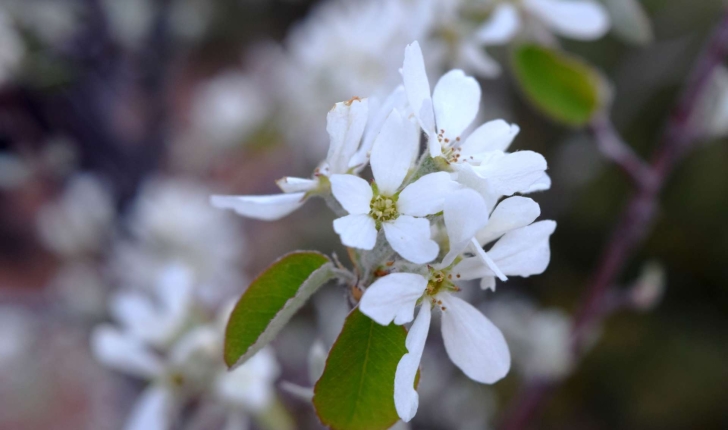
[
  {"x": 559, "y": 85},
  {"x": 270, "y": 302},
  {"x": 356, "y": 391}
]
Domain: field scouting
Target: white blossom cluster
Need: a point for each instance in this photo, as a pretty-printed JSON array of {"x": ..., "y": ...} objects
[
  {"x": 163, "y": 336},
  {"x": 423, "y": 224}
]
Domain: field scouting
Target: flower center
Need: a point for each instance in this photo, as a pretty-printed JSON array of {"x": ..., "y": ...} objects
[
  {"x": 440, "y": 281},
  {"x": 383, "y": 209}
]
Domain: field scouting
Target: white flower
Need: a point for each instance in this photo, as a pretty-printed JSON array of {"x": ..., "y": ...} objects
[
  {"x": 345, "y": 124},
  {"x": 171, "y": 222},
  {"x": 79, "y": 222},
  {"x": 522, "y": 247},
  {"x": 540, "y": 339},
  {"x": 472, "y": 342},
  {"x": 575, "y": 19},
  {"x": 339, "y": 50},
  {"x": 154, "y": 343},
  {"x": 400, "y": 213},
  {"x": 227, "y": 108},
  {"x": 11, "y": 48}
]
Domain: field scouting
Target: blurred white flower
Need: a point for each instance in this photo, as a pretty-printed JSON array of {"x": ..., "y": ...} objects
[
  {"x": 540, "y": 339},
  {"x": 12, "y": 48},
  {"x": 649, "y": 287},
  {"x": 53, "y": 21},
  {"x": 171, "y": 222},
  {"x": 343, "y": 49},
  {"x": 710, "y": 117},
  {"x": 80, "y": 221},
  {"x": 227, "y": 108},
  {"x": 158, "y": 340}
]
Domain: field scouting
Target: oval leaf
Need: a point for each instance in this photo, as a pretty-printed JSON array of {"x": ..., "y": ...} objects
[
  {"x": 356, "y": 390},
  {"x": 561, "y": 86},
  {"x": 270, "y": 302}
]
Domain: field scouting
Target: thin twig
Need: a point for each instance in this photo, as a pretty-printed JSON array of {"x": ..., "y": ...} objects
[
  {"x": 612, "y": 146},
  {"x": 634, "y": 223}
]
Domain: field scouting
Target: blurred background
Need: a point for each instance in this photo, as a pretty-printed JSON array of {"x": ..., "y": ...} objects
[{"x": 118, "y": 119}]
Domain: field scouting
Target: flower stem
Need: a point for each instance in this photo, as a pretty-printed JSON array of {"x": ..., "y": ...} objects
[{"x": 634, "y": 223}]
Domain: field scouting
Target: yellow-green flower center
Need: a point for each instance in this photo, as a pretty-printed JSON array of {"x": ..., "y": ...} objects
[{"x": 383, "y": 209}]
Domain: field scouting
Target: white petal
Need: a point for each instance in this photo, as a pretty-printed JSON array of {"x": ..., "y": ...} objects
[
  {"x": 465, "y": 213},
  {"x": 503, "y": 24},
  {"x": 475, "y": 58},
  {"x": 410, "y": 238},
  {"x": 357, "y": 231},
  {"x": 345, "y": 124},
  {"x": 406, "y": 399},
  {"x": 124, "y": 353},
  {"x": 290, "y": 184},
  {"x": 512, "y": 173},
  {"x": 487, "y": 283},
  {"x": 473, "y": 343},
  {"x": 393, "y": 298},
  {"x": 354, "y": 193},
  {"x": 392, "y": 153},
  {"x": 510, "y": 214},
  {"x": 153, "y": 410},
  {"x": 525, "y": 251},
  {"x": 417, "y": 86},
  {"x": 456, "y": 99},
  {"x": 577, "y": 19},
  {"x": 267, "y": 208},
  {"x": 426, "y": 196},
  {"x": 377, "y": 115},
  {"x": 541, "y": 184},
  {"x": 495, "y": 135},
  {"x": 487, "y": 260}
]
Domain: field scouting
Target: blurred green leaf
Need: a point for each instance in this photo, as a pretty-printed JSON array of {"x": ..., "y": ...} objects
[
  {"x": 356, "y": 391},
  {"x": 562, "y": 87},
  {"x": 270, "y": 302}
]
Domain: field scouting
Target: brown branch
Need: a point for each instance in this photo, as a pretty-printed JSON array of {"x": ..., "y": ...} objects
[{"x": 634, "y": 223}]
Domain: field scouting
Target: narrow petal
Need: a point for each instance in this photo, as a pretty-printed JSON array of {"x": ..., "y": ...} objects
[
  {"x": 393, "y": 298},
  {"x": 266, "y": 208},
  {"x": 510, "y": 214},
  {"x": 465, "y": 213},
  {"x": 357, "y": 231},
  {"x": 417, "y": 86},
  {"x": 124, "y": 353},
  {"x": 577, "y": 19},
  {"x": 525, "y": 251},
  {"x": 392, "y": 153},
  {"x": 502, "y": 26},
  {"x": 512, "y": 173},
  {"x": 487, "y": 260},
  {"x": 456, "y": 100},
  {"x": 473, "y": 343},
  {"x": 345, "y": 124},
  {"x": 354, "y": 193},
  {"x": 153, "y": 410},
  {"x": 290, "y": 184},
  {"x": 426, "y": 196},
  {"x": 410, "y": 238},
  {"x": 495, "y": 135},
  {"x": 406, "y": 399}
]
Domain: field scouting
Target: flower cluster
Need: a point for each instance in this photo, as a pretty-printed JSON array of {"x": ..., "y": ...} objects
[
  {"x": 424, "y": 222},
  {"x": 162, "y": 336}
]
